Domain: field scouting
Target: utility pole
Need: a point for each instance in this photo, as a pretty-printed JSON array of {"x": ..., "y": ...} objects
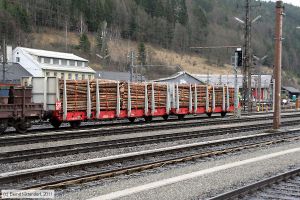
[
  {"x": 131, "y": 56},
  {"x": 4, "y": 59},
  {"x": 246, "y": 69},
  {"x": 236, "y": 100},
  {"x": 247, "y": 90},
  {"x": 66, "y": 35},
  {"x": 278, "y": 61}
]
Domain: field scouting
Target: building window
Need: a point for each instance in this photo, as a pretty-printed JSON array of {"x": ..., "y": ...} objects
[
  {"x": 47, "y": 60},
  {"x": 84, "y": 64},
  {"x": 62, "y": 75},
  {"x": 55, "y": 74},
  {"x": 18, "y": 59},
  {"x": 82, "y": 76},
  {"x": 64, "y": 62},
  {"x": 72, "y": 62},
  {"x": 76, "y": 76},
  {"x": 69, "y": 76},
  {"x": 90, "y": 77},
  {"x": 79, "y": 63},
  {"x": 40, "y": 59},
  {"x": 47, "y": 74},
  {"x": 55, "y": 61}
]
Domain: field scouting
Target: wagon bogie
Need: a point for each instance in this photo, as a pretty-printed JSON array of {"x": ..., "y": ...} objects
[
  {"x": 3, "y": 125},
  {"x": 75, "y": 124}
]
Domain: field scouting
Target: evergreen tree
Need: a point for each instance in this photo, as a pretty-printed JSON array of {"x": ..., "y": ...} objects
[
  {"x": 101, "y": 39},
  {"x": 142, "y": 53},
  {"x": 84, "y": 43}
]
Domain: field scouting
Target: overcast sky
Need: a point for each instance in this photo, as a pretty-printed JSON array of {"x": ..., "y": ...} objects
[{"x": 294, "y": 2}]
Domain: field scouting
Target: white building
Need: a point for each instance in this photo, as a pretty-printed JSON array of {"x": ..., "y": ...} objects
[{"x": 42, "y": 63}]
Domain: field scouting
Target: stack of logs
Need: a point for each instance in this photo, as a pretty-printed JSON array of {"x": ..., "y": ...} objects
[
  {"x": 184, "y": 95},
  {"x": 76, "y": 94},
  {"x": 160, "y": 95},
  {"x": 219, "y": 95},
  {"x": 201, "y": 95},
  {"x": 107, "y": 94},
  {"x": 231, "y": 95},
  {"x": 137, "y": 92}
]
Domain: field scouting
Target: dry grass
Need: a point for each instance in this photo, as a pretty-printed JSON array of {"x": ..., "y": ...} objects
[{"x": 119, "y": 50}]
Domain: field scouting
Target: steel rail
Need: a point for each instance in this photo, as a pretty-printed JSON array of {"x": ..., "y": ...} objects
[
  {"x": 39, "y": 153},
  {"x": 267, "y": 138},
  {"x": 124, "y": 122},
  {"x": 259, "y": 185},
  {"x": 79, "y": 134}
]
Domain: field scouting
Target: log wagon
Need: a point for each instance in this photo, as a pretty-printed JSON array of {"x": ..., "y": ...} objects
[
  {"x": 75, "y": 101},
  {"x": 16, "y": 108}
]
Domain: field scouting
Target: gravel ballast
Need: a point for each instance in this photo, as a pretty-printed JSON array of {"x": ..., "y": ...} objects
[
  {"x": 197, "y": 188},
  {"x": 108, "y": 152}
]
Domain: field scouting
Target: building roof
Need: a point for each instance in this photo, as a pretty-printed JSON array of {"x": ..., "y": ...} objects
[
  {"x": 229, "y": 80},
  {"x": 14, "y": 72},
  {"x": 177, "y": 76},
  {"x": 36, "y": 67},
  {"x": 291, "y": 89},
  {"x": 118, "y": 76},
  {"x": 66, "y": 68},
  {"x": 52, "y": 54}
]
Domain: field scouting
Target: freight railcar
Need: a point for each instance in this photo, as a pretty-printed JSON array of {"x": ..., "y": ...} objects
[
  {"x": 76, "y": 101},
  {"x": 17, "y": 109}
]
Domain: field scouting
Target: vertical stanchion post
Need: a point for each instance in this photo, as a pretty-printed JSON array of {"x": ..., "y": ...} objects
[
  {"x": 168, "y": 99},
  {"x": 118, "y": 100},
  {"x": 65, "y": 107},
  {"x": 129, "y": 101},
  {"x": 97, "y": 100},
  {"x": 190, "y": 100},
  {"x": 196, "y": 99},
  {"x": 146, "y": 100},
  {"x": 89, "y": 102}
]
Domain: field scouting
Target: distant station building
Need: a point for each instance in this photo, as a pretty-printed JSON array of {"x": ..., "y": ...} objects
[
  {"x": 119, "y": 76},
  {"x": 42, "y": 63},
  {"x": 181, "y": 77},
  {"x": 290, "y": 92},
  {"x": 265, "y": 83}
]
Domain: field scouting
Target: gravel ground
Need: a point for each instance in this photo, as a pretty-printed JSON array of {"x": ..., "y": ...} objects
[
  {"x": 197, "y": 188},
  {"x": 109, "y": 152}
]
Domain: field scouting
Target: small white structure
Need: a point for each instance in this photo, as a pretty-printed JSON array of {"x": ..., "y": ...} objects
[{"x": 42, "y": 63}]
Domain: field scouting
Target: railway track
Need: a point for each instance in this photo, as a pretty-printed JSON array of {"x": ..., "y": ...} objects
[
  {"x": 88, "y": 133},
  {"x": 61, "y": 175},
  {"x": 63, "y": 150},
  {"x": 282, "y": 186},
  {"x": 124, "y": 122}
]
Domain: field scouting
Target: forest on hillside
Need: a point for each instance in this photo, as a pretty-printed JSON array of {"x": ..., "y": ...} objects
[{"x": 171, "y": 24}]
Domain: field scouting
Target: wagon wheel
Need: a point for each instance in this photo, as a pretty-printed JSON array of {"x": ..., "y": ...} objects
[
  {"x": 165, "y": 117},
  {"x": 75, "y": 124},
  {"x": 21, "y": 127},
  {"x": 55, "y": 123},
  {"x": 209, "y": 114},
  {"x": 131, "y": 119},
  {"x": 148, "y": 118},
  {"x": 180, "y": 117},
  {"x": 223, "y": 114},
  {"x": 3, "y": 126}
]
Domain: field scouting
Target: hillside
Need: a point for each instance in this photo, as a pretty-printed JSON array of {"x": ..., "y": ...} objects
[{"x": 167, "y": 27}]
